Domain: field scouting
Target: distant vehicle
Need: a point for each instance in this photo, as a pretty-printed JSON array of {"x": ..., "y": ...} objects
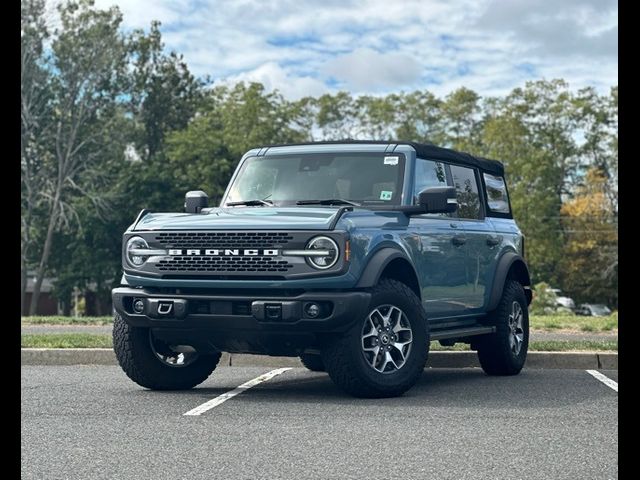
[
  {"x": 563, "y": 301},
  {"x": 593, "y": 310}
]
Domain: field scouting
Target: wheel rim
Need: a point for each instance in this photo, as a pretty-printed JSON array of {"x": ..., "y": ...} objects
[
  {"x": 516, "y": 328},
  {"x": 168, "y": 356},
  {"x": 386, "y": 339}
]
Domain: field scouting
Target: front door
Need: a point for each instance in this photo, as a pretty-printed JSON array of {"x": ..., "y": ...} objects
[{"x": 438, "y": 249}]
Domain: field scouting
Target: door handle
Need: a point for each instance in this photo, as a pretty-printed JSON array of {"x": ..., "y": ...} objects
[
  {"x": 493, "y": 241},
  {"x": 458, "y": 240}
]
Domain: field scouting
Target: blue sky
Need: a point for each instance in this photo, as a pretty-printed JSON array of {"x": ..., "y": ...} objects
[{"x": 310, "y": 47}]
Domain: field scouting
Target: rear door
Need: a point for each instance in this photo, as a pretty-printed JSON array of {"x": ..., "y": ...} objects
[{"x": 481, "y": 241}]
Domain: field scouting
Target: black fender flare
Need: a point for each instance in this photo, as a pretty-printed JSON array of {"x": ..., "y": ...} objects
[
  {"x": 505, "y": 263},
  {"x": 376, "y": 265}
]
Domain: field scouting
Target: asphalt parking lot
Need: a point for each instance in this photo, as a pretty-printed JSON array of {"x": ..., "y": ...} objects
[{"x": 92, "y": 422}]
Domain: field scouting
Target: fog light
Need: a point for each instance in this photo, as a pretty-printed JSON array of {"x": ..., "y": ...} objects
[
  {"x": 312, "y": 310},
  {"x": 138, "y": 305}
]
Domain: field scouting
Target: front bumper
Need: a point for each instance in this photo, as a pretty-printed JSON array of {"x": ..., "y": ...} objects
[
  {"x": 241, "y": 323},
  {"x": 238, "y": 312}
]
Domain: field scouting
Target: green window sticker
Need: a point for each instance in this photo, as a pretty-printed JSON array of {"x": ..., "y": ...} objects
[{"x": 386, "y": 195}]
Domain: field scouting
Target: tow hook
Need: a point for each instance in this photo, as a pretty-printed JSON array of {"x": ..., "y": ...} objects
[{"x": 164, "y": 308}]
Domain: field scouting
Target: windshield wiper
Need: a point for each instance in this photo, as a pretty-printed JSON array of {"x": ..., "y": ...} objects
[
  {"x": 250, "y": 203},
  {"x": 328, "y": 201}
]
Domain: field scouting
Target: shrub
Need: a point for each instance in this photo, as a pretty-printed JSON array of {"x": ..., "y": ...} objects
[{"x": 544, "y": 300}]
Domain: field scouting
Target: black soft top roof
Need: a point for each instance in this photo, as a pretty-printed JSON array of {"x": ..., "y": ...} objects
[{"x": 425, "y": 151}]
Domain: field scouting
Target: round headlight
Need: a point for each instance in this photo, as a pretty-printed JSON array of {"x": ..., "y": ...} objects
[
  {"x": 323, "y": 262},
  {"x": 136, "y": 259}
]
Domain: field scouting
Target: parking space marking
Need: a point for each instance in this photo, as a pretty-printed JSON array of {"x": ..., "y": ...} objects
[
  {"x": 604, "y": 379},
  {"x": 199, "y": 410}
]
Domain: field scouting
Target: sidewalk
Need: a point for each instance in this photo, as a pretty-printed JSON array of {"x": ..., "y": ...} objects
[{"x": 106, "y": 356}]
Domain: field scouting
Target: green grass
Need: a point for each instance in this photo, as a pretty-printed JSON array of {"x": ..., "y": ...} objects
[
  {"x": 66, "y": 340},
  {"x": 88, "y": 340},
  {"x": 574, "y": 322},
  {"x": 58, "y": 320}
]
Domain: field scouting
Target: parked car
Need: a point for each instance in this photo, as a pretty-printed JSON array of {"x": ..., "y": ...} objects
[
  {"x": 593, "y": 310},
  {"x": 562, "y": 300},
  {"x": 351, "y": 255}
]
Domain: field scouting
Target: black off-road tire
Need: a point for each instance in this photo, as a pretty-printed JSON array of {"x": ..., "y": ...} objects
[
  {"x": 495, "y": 351},
  {"x": 313, "y": 362},
  {"x": 136, "y": 357},
  {"x": 344, "y": 359}
]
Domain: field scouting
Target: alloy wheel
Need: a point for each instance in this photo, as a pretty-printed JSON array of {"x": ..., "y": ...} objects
[{"x": 386, "y": 339}]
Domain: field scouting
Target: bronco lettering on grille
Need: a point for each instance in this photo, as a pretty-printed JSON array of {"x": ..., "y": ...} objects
[{"x": 232, "y": 252}]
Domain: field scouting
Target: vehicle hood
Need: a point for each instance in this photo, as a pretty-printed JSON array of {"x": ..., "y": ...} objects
[{"x": 243, "y": 218}]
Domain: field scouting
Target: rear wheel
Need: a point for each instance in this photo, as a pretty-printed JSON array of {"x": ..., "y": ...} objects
[
  {"x": 384, "y": 353},
  {"x": 154, "y": 364},
  {"x": 505, "y": 351},
  {"x": 313, "y": 362}
]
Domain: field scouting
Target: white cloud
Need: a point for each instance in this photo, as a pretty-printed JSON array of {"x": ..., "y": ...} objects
[
  {"x": 366, "y": 69},
  {"x": 272, "y": 76},
  {"x": 308, "y": 47}
]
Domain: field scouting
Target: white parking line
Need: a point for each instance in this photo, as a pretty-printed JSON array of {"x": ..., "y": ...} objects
[
  {"x": 604, "y": 379},
  {"x": 199, "y": 410}
]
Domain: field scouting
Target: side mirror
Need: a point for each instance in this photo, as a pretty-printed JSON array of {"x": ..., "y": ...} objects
[
  {"x": 195, "y": 201},
  {"x": 438, "y": 200}
]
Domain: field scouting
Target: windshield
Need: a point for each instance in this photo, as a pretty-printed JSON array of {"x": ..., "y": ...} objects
[{"x": 367, "y": 178}]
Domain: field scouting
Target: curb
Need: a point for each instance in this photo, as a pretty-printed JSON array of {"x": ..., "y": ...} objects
[{"x": 535, "y": 360}]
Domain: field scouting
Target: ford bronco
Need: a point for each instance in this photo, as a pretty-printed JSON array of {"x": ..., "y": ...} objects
[{"x": 351, "y": 255}]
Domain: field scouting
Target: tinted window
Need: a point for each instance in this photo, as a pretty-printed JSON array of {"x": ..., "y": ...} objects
[
  {"x": 464, "y": 180},
  {"x": 429, "y": 174},
  {"x": 496, "y": 194}
]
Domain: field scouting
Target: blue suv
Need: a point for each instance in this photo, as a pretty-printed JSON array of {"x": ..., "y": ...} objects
[{"x": 352, "y": 255}]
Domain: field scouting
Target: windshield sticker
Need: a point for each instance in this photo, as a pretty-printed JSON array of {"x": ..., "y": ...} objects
[
  {"x": 390, "y": 160},
  {"x": 386, "y": 195}
]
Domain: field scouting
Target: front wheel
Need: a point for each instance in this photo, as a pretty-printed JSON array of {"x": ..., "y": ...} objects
[
  {"x": 155, "y": 365},
  {"x": 384, "y": 353},
  {"x": 505, "y": 351}
]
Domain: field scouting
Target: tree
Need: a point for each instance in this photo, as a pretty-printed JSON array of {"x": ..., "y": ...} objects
[
  {"x": 229, "y": 122},
  {"x": 590, "y": 260},
  {"x": 35, "y": 135},
  {"x": 545, "y": 109},
  {"x": 460, "y": 113},
  {"x": 418, "y": 117},
  {"x": 164, "y": 93},
  {"x": 88, "y": 61},
  {"x": 337, "y": 116},
  {"x": 532, "y": 178}
]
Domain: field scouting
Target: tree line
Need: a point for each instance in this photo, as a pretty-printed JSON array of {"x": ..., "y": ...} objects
[{"x": 112, "y": 123}]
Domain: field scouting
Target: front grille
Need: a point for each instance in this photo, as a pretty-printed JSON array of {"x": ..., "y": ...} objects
[
  {"x": 222, "y": 239},
  {"x": 223, "y": 265},
  {"x": 194, "y": 263}
]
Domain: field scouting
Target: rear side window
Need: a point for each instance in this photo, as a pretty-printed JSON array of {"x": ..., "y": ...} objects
[
  {"x": 496, "y": 194},
  {"x": 464, "y": 179}
]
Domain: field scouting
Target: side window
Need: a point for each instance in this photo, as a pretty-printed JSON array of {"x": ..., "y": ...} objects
[
  {"x": 429, "y": 174},
  {"x": 496, "y": 194},
  {"x": 464, "y": 179}
]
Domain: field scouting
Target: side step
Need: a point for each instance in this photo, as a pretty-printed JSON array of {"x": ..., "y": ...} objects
[{"x": 461, "y": 332}]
